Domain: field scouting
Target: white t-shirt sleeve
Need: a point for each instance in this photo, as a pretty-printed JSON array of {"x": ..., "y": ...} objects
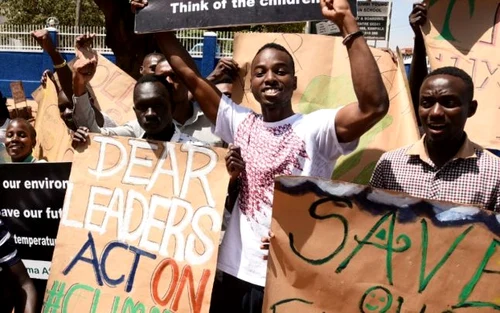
[
  {"x": 321, "y": 124},
  {"x": 229, "y": 117}
]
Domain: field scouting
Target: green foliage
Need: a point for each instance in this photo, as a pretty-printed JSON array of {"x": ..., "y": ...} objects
[{"x": 37, "y": 12}]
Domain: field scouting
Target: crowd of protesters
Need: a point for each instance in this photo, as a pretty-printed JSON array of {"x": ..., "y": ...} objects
[{"x": 173, "y": 102}]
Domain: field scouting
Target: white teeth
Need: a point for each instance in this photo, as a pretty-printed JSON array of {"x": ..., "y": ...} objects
[{"x": 271, "y": 91}]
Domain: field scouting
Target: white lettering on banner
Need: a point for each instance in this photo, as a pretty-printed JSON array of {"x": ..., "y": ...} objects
[
  {"x": 34, "y": 241},
  {"x": 32, "y": 213},
  {"x": 179, "y": 7},
  {"x": 37, "y": 269},
  {"x": 268, "y": 3},
  {"x": 180, "y": 225},
  {"x": 35, "y": 184}
]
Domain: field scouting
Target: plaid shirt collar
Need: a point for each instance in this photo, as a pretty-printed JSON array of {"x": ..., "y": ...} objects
[{"x": 466, "y": 151}]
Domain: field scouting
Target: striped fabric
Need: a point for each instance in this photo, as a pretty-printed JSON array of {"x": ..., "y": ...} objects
[{"x": 8, "y": 252}]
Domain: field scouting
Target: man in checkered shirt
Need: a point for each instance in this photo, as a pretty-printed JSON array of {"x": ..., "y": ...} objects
[
  {"x": 444, "y": 165},
  {"x": 11, "y": 268}
]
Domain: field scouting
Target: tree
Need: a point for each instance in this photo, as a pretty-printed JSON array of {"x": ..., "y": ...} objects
[{"x": 37, "y": 12}]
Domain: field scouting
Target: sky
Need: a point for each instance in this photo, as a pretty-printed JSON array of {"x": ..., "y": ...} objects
[{"x": 401, "y": 34}]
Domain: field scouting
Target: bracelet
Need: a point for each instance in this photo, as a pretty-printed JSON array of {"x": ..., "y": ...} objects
[
  {"x": 58, "y": 66},
  {"x": 352, "y": 36}
]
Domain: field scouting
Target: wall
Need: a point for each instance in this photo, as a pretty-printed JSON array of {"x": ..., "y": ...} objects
[{"x": 28, "y": 66}]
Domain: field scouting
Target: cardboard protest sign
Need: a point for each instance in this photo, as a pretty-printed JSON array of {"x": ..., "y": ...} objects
[
  {"x": 20, "y": 107},
  {"x": 162, "y": 15},
  {"x": 32, "y": 199},
  {"x": 140, "y": 228},
  {"x": 17, "y": 91},
  {"x": 53, "y": 137},
  {"x": 373, "y": 19},
  {"x": 324, "y": 81},
  {"x": 465, "y": 34},
  {"x": 112, "y": 91},
  {"x": 341, "y": 247}
]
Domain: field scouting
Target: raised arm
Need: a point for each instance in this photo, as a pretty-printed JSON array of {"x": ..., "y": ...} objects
[
  {"x": 205, "y": 93},
  {"x": 355, "y": 119},
  {"x": 62, "y": 69},
  {"x": 418, "y": 67},
  {"x": 84, "y": 69}
]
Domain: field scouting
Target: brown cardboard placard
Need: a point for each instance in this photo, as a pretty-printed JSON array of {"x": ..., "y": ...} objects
[
  {"x": 324, "y": 81},
  {"x": 17, "y": 90},
  {"x": 53, "y": 137},
  {"x": 340, "y": 247},
  {"x": 112, "y": 91},
  {"x": 140, "y": 228},
  {"x": 466, "y": 34}
]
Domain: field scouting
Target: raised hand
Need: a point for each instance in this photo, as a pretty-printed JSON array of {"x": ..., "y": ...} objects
[
  {"x": 42, "y": 37},
  {"x": 136, "y": 5},
  {"x": 85, "y": 65},
  {"x": 335, "y": 10},
  {"x": 83, "y": 47},
  {"x": 418, "y": 16},
  {"x": 47, "y": 74},
  {"x": 226, "y": 66},
  {"x": 80, "y": 137},
  {"x": 83, "y": 71}
]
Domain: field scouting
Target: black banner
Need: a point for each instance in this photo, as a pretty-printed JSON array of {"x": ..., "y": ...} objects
[
  {"x": 32, "y": 199},
  {"x": 162, "y": 15}
]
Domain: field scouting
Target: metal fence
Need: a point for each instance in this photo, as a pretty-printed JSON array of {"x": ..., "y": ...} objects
[
  {"x": 192, "y": 40},
  {"x": 18, "y": 38},
  {"x": 68, "y": 34}
]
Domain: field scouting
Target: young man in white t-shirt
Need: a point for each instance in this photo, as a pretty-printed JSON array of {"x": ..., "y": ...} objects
[{"x": 277, "y": 142}]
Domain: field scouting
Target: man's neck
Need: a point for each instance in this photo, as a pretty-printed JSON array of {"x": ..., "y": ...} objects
[
  {"x": 165, "y": 135},
  {"x": 183, "y": 112},
  {"x": 442, "y": 152},
  {"x": 277, "y": 114}
]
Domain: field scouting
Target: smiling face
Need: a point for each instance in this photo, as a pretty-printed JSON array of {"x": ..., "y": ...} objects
[
  {"x": 273, "y": 79},
  {"x": 152, "y": 107},
  {"x": 19, "y": 140},
  {"x": 445, "y": 105},
  {"x": 376, "y": 300}
]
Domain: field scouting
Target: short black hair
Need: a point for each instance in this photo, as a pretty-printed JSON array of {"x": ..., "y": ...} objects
[
  {"x": 152, "y": 78},
  {"x": 4, "y": 111},
  {"x": 275, "y": 46},
  {"x": 456, "y": 72},
  {"x": 31, "y": 129},
  {"x": 160, "y": 56},
  {"x": 225, "y": 79}
]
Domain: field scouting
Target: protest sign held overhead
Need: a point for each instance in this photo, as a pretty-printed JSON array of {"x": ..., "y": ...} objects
[
  {"x": 161, "y": 15},
  {"x": 373, "y": 19},
  {"x": 111, "y": 90},
  {"x": 32, "y": 199},
  {"x": 53, "y": 137},
  {"x": 385, "y": 252},
  {"x": 330, "y": 86},
  {"x": 466, "y": 34},
  {"x": 17, "y": 90},
  {"x": 140, "y": 228}
]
